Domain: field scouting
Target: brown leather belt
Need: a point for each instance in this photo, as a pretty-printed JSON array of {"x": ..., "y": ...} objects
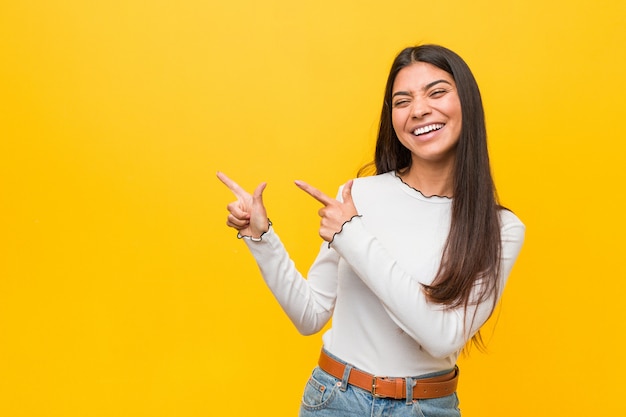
[{"x": 385, "y": 387}]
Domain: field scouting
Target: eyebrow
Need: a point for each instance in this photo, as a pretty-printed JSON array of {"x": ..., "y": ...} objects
[{"x": 426, "y": 87}]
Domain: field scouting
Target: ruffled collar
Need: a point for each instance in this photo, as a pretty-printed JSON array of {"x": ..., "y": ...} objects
[{"x": 395, "y": 173}]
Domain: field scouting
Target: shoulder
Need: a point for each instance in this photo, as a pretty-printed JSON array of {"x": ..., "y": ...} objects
[
  {"x": 375, "y": 185},
  {"x": 366, "y": 188},
  {"x": 373, "y": 181},
  {"x": 511, "y": 226},
  {"x": 509, "y": 219}
]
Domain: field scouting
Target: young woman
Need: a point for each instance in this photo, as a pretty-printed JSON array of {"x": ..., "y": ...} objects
[{"x": 415, "y": 258}]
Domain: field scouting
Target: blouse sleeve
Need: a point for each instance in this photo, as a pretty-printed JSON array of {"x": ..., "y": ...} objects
[
  {"x": 440, "y": 331},
  {"x": 309, "y": 303}
]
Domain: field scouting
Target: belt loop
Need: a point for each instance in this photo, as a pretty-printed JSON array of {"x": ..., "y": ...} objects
[
  {"x": 410, "y": 383},
  {"x": 346, "y": 376}
]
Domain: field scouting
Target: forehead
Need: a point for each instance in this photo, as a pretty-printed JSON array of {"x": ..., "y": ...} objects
[{"x": 419, "y": 75}]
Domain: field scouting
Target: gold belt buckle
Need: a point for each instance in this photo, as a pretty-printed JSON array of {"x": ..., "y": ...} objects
[{"x": 373, "y": 392}]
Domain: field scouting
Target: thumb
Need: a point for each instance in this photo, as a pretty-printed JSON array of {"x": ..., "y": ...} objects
[
  {"x": 346, "y": 193},
  {"x": 257, "y": 196}
]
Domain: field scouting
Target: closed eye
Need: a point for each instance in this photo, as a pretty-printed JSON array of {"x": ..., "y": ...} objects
[
  {"x": 401, "y": 103},
  {"x": 438, "y": 93}
]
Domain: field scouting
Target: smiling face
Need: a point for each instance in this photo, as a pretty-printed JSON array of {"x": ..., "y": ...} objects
[{"x": 426, "y": 113}]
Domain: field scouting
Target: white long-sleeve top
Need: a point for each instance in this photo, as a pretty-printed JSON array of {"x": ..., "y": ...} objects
[{"x": 370, "y": 282}]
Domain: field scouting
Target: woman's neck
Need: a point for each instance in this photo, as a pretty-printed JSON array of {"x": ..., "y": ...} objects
[{"x": 429, "y": 180}]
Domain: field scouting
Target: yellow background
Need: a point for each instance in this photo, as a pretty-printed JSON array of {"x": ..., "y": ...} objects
[{"x": 122, "y": 292}]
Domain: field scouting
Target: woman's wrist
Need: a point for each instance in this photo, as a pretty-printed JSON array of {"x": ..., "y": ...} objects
[{"x": 256, "y": 237}]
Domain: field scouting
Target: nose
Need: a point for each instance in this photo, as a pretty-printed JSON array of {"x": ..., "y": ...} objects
[{"x": 420, "y": 108}]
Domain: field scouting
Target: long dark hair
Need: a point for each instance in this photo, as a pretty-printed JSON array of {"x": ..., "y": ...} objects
[{"x": 471, "y": 255}]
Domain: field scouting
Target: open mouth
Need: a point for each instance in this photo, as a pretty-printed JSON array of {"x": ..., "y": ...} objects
[{"x": 427, "y": 129}]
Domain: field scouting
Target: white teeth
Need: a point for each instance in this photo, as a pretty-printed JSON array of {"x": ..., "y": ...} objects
[{"x": 427, "y": 129}]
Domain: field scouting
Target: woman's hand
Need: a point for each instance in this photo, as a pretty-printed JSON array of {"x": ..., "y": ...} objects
[
  {"x": 334, "y": 213},
  {"x": 247, "y": 214}
]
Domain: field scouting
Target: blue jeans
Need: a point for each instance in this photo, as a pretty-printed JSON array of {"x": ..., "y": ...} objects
[{"x": 327, "y": 396}]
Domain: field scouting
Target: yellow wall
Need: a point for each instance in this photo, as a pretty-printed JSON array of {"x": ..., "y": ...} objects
[{"x": 122, "y": 292}]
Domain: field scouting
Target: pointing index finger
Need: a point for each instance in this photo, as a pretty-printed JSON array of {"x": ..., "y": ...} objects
[
  {"x": 232, "y": 185},
  {"x": 315, "y": 193}
]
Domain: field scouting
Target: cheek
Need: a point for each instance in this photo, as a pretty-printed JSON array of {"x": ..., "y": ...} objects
[
  {"x": 397, "y": 121},
  {"x": 457, "y": 110},
  {"x": 460, "y": 121}
]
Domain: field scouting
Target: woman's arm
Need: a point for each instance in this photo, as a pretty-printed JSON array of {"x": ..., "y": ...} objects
[
  {"x": 438, "y": 330},
  {"x": 309, "y": 303}
]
